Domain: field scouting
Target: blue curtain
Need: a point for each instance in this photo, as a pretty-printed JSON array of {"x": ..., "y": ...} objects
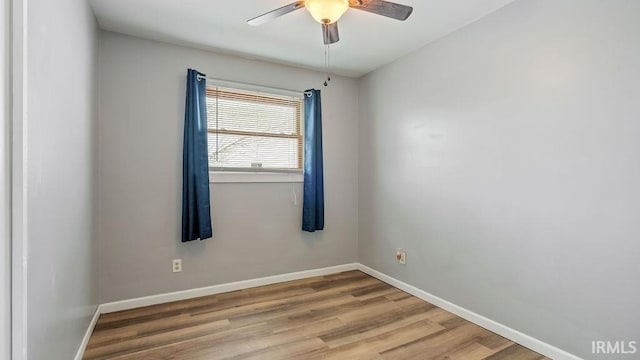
[
  {"x": 313, "y": 204},
  {"x": 196, "y": 214}
]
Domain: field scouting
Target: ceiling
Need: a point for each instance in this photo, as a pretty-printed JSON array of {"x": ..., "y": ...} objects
[{"x": 367, "y": 41}]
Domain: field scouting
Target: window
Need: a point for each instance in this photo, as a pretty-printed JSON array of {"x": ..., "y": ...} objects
[{"x": 251, "y": 131}]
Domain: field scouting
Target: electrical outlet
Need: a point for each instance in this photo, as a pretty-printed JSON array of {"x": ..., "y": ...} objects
[
  {"x": 177, "y": 265},
  {"x": 401, "y": 256}
]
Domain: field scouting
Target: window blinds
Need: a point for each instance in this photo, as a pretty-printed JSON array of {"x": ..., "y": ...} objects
[{"x": 252, "y": 131}]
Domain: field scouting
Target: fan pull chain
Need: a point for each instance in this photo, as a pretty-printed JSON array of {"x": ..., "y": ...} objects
[{"x": 327, "y": 64}]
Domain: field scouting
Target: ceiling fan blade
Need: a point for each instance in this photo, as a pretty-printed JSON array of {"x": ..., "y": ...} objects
[
  {"x": 271, "y": 15},
  {"x": 330, "y": 33},
  {"x": 384, "y": 8}
]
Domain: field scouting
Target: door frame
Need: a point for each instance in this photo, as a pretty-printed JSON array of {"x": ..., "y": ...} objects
[
  {"x": 5, "y": 182},
  {"x": 18, "y": 134}
]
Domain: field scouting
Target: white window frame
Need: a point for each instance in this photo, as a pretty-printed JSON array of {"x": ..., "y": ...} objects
[{"x": 248, "y": 175}]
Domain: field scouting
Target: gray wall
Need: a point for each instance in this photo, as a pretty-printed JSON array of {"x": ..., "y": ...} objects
[
  {"x": 61, "y": 116},
  {"x": 256, "y": 226},
  {"x": 5, "y": 190},
  {"x": 505, "y": 159}
]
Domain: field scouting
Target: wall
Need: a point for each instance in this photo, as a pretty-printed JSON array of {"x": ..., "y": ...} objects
[
  {"x": 256, "y": 226},
  {"x": 505, "y": 158},
  {"x": 61, "y": 113},
  {"x": 5, "y": 189}
]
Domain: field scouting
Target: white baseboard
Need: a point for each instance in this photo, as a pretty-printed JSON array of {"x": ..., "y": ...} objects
[
  {"x": 500, "y": 329},
  {"x": 222, "y": 288},
  {"x": 87, "y": 334},
  {"x": 204, "y": 291}
]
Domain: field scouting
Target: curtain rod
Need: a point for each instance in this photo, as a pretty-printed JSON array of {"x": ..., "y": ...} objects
[{"x": 304, "y": 93}]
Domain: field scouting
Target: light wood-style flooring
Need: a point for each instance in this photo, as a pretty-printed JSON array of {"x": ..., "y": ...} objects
[{"x": 349, "y": 315}]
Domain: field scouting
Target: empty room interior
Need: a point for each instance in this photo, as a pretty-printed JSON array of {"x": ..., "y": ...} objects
[{"x": 320, "y": 179}]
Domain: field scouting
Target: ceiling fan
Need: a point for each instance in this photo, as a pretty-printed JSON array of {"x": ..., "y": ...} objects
[{"x": 327, "y": 13}]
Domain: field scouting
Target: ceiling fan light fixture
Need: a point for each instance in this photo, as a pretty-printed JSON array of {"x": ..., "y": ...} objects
[{"x": 326, "y": 11}]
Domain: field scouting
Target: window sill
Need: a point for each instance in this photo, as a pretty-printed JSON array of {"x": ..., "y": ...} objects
[{"x": 225, "y": 177}]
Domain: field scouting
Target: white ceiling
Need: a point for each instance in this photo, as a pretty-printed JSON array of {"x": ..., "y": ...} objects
[{"x": 367, "y": 41}]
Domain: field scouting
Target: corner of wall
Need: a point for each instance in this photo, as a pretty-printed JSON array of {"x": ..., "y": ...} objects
[{"x": 96, "y": 159}]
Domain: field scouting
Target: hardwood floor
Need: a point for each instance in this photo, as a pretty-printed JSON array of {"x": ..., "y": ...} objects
[{"x": 343, "y": 316}]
